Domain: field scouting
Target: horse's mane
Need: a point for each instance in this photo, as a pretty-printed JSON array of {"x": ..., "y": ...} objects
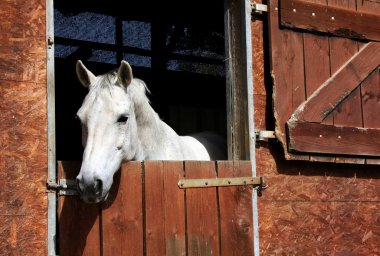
[{"x": 137, "y": 89}]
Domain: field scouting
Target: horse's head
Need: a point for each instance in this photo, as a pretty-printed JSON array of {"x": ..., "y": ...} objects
[{"x": 109, "y": 129}]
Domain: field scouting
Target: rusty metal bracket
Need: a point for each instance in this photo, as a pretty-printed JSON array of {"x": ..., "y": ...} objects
[
  {"x": 256, "y": 182},
  {"x": 259, "y": 8},
  {"x": 264, "y": 135},
  {"x": 64, "y": 187}
]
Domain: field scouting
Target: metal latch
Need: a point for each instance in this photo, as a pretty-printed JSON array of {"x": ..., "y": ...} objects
[
  {"x": 64, "y": 187},
  {"x": 264, "y": 135},
  {"x": 256, "y": 182},
  {"x": 258, "y": 8}
]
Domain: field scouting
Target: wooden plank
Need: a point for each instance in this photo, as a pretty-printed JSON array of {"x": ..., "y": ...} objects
[
  {"x": 349, "y": 112},
  {"x": 317, "y": 68},
  {"x": 235, "y": 204},
  {"x": 122, "y": 215},
  {"x": 79, "y": 228},
  {"x": 202, "y": 211},
  {"x": 371, "y": 103},
  {"x": 340, "y": 85},
  {"x": 318, "y": 138},
  {"x": 237, "y": 127},
  {"x": 327, "y": 19},
  {"x": 165, "y": 208},
  {"x": 287, "y": 67},
  {"x": 369, "y": 7}
]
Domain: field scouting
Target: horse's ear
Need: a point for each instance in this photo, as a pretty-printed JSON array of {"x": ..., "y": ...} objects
[
  {"x": 124, "y": 75},
  {"x": 84, "y": 75}
]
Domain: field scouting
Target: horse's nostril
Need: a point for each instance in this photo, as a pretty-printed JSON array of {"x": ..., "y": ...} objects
[{"x": 98, "y": 186}]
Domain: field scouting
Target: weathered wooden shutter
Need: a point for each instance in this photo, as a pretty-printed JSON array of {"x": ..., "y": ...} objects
[{"x": 325, "y": 57}]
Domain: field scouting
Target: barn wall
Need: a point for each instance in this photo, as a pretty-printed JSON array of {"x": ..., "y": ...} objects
[
  {"x": 309, "y": 208},
  {"x": 23, "y": 140}
]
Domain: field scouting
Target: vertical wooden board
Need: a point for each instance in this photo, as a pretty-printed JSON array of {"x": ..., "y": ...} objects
[
  {"x": 341, "y": 50},
  {"x": 371, "y": 104},
  {"x": 349, "y": 113},
  {"x": 122, "y": 215},
  {"x": 79, "y": 230},
  {"x": 287, "y": 70},
  {"x": 165, "y": 208},
  {"x": 175, "y": 238},
  {"x": 154, "y": 208},
  {"x": 235, "y": 204},
  {"x": 201, "y": 211},
  {"x": 317, "y": 68}
]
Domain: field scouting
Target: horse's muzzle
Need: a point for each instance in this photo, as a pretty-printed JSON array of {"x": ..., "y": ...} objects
[{"x": 91, "y": 192}]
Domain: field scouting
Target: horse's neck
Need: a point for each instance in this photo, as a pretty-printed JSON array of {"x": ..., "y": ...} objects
[{"x": 152, "y": 131}]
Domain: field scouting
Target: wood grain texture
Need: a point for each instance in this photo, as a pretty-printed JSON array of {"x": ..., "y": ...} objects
[
  {"x": 79, "y": 225},
  {"x": 238, "y": 145},
  {"x": 370, "y": 89},
  {"x": 165, "y": 208},
  {"x": 318, "y": 138},
  {"x": 122, "y": 215},
  {"x": 370, "y": 7},
  {"x": 341, "y": 50},
  {"x": 317, "y": 67},
  {"x": 235, "y": 207},
  {"x": 201, "y": 211},
  {"x": 287, "y": 70},
  {"x": 337, "y": 21},
  {"x": 340, "y": 85}
]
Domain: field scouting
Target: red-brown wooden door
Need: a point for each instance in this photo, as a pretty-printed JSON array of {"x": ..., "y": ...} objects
[
  {"x": 325, "y": 57},
  {"x": 147, "y": 214}
]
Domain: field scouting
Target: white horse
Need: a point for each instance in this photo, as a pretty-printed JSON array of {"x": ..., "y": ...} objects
[{"x": 118, "y": 124}]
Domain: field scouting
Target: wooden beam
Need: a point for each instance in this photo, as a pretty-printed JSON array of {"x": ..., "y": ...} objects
[
  {"x": 333, "y": 20},
  {"x": 340, "y": 85},
  {"x": 319, "y": 138}
]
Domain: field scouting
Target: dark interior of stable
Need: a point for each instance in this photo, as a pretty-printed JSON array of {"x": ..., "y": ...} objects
[{"x": 176, "y": 47}]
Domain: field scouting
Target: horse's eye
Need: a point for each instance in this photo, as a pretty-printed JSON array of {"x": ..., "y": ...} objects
[{"x": 122, "y": 119}]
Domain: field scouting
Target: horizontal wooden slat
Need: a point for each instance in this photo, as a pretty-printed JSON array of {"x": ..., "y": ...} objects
[
  {"x": 332, "y": 20},
  {"x": 340, "y": 85},
  {"x": 329, "y": 139}
]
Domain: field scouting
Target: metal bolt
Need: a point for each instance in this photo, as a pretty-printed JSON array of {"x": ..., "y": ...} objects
[
  {"x": 332, "y": 18},
  {"x": 229, "y": 182},
  {"x": 313, "y": 14},
  {"x": 276, "y": 9},
  {"x": 181, "y": 184},
  {"x": 339, "y": 137},
  {"x": 294, "y": 10},
  {"x": 320, "y": 136},
  {"x": 206, "y": 183}
]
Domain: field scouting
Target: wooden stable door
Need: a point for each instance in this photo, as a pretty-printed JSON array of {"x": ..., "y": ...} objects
[
  {"x": 325, "y": 58},
  {"x": 148, "y": 214}
]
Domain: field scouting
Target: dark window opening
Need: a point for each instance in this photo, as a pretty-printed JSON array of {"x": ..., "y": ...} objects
[{"x": 177, "y": 48}]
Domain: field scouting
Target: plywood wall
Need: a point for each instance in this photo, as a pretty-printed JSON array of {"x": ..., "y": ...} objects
[
  {"x": 309, "y": 208},
  {"x": 23, "y": 140}
]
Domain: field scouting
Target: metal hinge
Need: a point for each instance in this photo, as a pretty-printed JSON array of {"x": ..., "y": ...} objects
[
  {"x": 264, "y": 135},
  {"x": 64, "y": 187},
  {"x": 257, "y": 182},
  {"x": 259, "y": 8}
]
